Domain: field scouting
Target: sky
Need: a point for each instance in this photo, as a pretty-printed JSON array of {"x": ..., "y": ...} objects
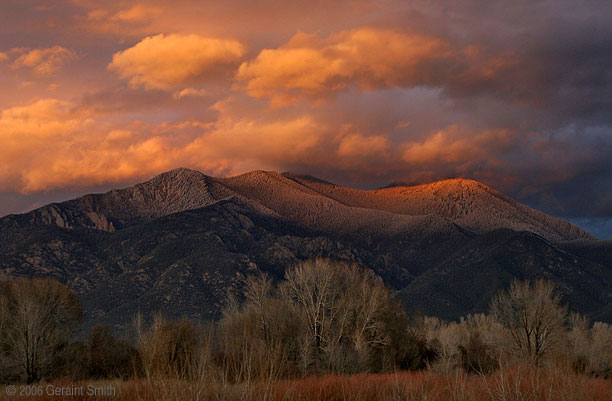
[{"x": 518, "y": 95}]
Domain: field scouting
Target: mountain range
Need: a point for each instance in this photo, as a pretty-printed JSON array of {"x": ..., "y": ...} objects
[{"x": 177, "y": 243}]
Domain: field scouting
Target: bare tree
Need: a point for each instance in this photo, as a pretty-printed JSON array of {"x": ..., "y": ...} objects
[
  {"x": 343, "y": 307},
  {"x": 533, "y": 317},
  {"x": 40, "y": 318},
  {"x": 326, "y": 316},
  {"x": 258, "y": 295},
  {"x": 312, "y": 286},
  {"x": 367, "y": 300}
]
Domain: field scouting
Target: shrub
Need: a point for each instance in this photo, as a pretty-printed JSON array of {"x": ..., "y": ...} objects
[
  {"x": 107, "y": 357},
  {"x": 170, "y": 348}
]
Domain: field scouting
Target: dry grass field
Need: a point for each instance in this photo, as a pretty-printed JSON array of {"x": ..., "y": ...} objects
[{"x": 519, "y": 383}]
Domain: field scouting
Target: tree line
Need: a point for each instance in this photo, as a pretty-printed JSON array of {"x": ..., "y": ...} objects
[{"x": 324, "y": 317}]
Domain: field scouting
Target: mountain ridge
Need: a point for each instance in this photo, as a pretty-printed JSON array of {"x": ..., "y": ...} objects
[
  {"x": 178, "y": 242},
  {"x": 425, "y": 199},
  {"x": 313, "y": 202}
]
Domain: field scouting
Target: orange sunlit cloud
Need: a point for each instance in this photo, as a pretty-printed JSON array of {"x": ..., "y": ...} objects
[
  {"x": 30, "y": 133},
  {"x": 170, "y": 61},
  {"x": 357, "y": 145},
  {"x": 47, "y": 144},
  {"x": 454, "y": 145},
  {"x": 244, "y": 144},
  {"x": 237, "y": 18},
  {"x": 189, "y": 92},
  {"x": 43, "y": 62},
  {"x": 308, "y": 66},
  {"x": 121, "y": 19},
  {"x": 137, "y": 12},
  {"x": 368, "y": 58}
]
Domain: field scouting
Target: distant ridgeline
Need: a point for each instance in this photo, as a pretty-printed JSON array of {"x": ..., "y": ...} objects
[{"x": 176, "y": 243}]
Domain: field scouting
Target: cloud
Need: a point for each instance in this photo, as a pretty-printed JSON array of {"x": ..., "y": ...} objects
[
  {"x": 137, "y": 12},
  {"x": 43, "y": 62},
  {"x": 171, "y": 61},
  {"x": 97, "y": 14},
  {"x": 247, "y": 20},
  {"x": 121, "y": 20},
  {"x": 31, "y": 133},
  {"x": 308, "y": 66},
  {"x": 44, "y": 118},
  {"x": 51, "y": 144},
  {"x": 239, "y": 143},
  {"x": 456, "y": 145},
  {"x": 189, "y": 92},
  {"x": 3, "y": 57},
  {"x": 355, "y": 145},
  {"x": 367, "y": 58}
]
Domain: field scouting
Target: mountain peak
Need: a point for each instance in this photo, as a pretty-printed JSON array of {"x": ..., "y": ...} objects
[
  {"x": 258, "y": 174},
  {"x": 466, "y": 202},
  {"x": 451, "y": 184},
  {"x": 466, "y": 182},
  {"x": 180, "y": 173}
]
